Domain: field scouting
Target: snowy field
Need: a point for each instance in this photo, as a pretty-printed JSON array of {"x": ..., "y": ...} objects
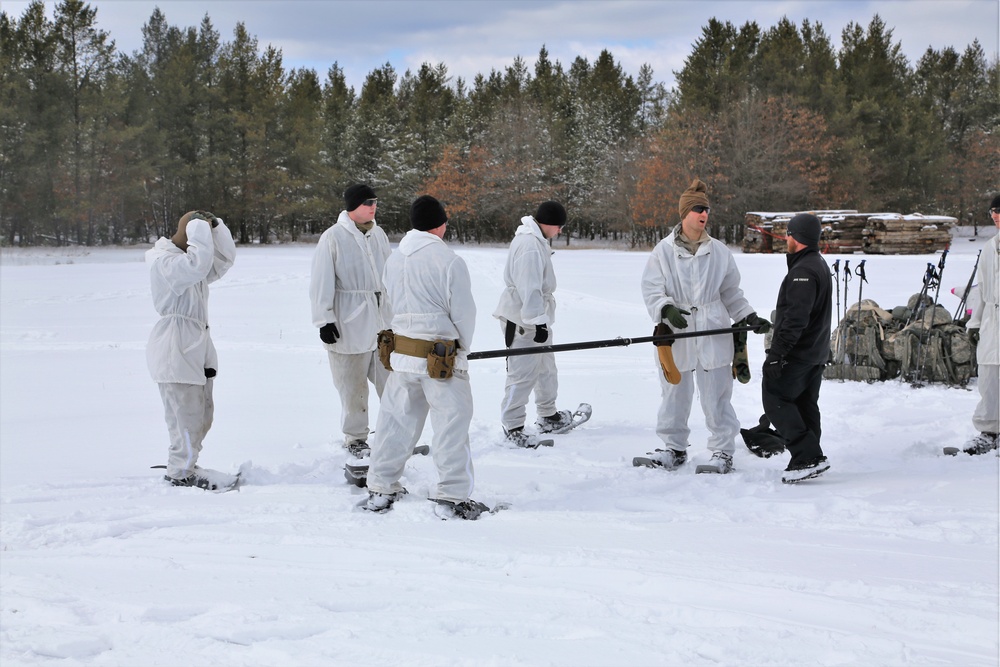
[{"x": 891, "y": 558}]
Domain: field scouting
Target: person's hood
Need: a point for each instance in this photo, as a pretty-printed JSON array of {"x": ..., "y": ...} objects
[
  {"x": 529, "y": 226},
  {"x": 163, "y": 246},
  {"x": 416, "y": 240}
]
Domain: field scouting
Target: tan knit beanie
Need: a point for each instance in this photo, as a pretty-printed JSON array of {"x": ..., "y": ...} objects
[{"x": 695, "y": 195}]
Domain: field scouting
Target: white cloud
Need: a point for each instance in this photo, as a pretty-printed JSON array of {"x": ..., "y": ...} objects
[{"x": 477, "y": 36}]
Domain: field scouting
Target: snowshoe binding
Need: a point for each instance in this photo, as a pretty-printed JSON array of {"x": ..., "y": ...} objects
[
  {"x": 519, "y": 438},
  {"x": 381, "y": 503},
  {"x": 207, "y": 479},
  {"x": 470, "y": 509},
  {"x": 564, "y": 421},
  {"x": 667, "y": 459},
  {"x": 981, "y": 444},
  {"x": 356, "y": 472},
  {"x": 720, "y": 464},
  {"x": 359, "y": 449}
]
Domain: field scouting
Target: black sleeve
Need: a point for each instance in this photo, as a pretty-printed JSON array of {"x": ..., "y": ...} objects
[{"x": 800, "y": 291}]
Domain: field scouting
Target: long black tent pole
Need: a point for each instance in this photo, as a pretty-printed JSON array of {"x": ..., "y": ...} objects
[{"x": 610, "y": 342}]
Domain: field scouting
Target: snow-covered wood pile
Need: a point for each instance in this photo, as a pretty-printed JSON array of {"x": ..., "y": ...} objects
[{"x": 848, "y": 231}]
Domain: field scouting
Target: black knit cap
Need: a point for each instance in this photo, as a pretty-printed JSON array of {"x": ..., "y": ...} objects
[
  {"x": 805, "y": 228},
  {"x": 996, "y": 202},
  {"x": 356, "y": 194},
  {"x": 427, "y": 213},
  {"x": 551, "y": 213}
]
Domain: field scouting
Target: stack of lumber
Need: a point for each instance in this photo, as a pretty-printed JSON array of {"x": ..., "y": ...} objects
[
  {"x": 765, "y": 231},
  {"x": 914, "y": 234},
  {"x": 848, "y": 231}
]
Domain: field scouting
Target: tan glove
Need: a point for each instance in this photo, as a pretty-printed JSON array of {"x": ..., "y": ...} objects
[{"x": 666, "y": 354}]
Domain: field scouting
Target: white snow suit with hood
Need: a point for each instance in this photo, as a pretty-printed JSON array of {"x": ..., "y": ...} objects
[
  {"x": 431, "y": 294},
  {"x": 707, "y": 284},
  {"x": 986, "y": 316},
  {"x": 180, "y": 351},
  {"x": 346, "y": 289},
  {"x": 528, "y": 301}
]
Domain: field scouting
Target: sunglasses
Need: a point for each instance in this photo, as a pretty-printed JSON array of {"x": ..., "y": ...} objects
[
  {"x": 995, "y": 211},
  {"x": 369, "y": 202},
  {"x": 701, "y": 209}
]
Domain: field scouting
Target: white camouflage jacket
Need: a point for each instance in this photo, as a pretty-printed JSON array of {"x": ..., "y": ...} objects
[
  {"x": 180, "y": 347},
  {"x": 708, "y": 285},
  {"x": 346, "y": 285},
  {"x": 530, "y": 280},
  {"x": 431, "y": 294},
  {"x": 986, "y": 304}
]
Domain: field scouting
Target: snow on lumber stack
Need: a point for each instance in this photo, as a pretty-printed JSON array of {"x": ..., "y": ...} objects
[
  {"x": 914, "y": 234},
  {"x": 848, "y": 231},
  {"x": 765, "y": 232}
]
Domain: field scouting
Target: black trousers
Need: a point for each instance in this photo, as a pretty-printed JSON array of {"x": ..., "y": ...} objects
[{"x": 791, "y": 403}]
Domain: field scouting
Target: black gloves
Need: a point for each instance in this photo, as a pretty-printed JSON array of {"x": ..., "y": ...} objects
[
  {"x": 675, "y": 316},
  {"x": 328, "y": 333},
  {"x": 772, "y": 366},
  {"x": 541, "y": 333},
  {"x": 760, "y": 325},
  {"x": 973, "y": 335}
]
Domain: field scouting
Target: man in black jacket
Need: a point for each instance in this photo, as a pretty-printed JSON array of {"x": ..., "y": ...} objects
[{"x": 800, "y": 348}]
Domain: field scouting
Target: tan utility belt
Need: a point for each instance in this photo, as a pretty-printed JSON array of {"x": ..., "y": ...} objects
[
  {"x": 440, "y": 354},
  {"x": 413, "y": 347}
]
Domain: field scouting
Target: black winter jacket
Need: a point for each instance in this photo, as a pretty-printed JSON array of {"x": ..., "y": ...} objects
[{"x": 802, "y": 318}]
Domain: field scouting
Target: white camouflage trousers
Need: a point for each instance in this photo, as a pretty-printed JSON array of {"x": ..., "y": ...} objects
[
  {"x": 406, "y": 402},
  {"x": 188, "y": 410},
  {"x": 351, "y": 375},
  {"x": 715, "y": 392},
  {"x": 527, "y": 373},
  {"x": 986, "y": 418}
]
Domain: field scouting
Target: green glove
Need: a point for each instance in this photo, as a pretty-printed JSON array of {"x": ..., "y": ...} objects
[
  {"x": 973, "y": 335},
  {"x": 741, "y": 361},
  {"x": 761, "y": 326},
  {"x": 675, "y": 316}
]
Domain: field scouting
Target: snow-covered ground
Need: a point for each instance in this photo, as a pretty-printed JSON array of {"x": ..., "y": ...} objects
[{"x": 890, "y": 559}]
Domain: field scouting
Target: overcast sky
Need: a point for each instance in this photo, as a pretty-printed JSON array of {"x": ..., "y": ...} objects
[{"x": 477, "y": 36}]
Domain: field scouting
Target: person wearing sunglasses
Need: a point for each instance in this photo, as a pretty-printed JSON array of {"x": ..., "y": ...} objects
[
  {"x": 984, "y": 331},
  {"x": 691, "y": 283},
  {"x": 349, "y": 306}
]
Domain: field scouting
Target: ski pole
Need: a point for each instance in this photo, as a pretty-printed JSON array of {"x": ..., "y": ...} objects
[
  {"x": 843, "y": 332},
  {"x": 836, "y": 281},
  {"x": 918, "y": 311},
  {"x": 610, "y": 342},
  {"x": 919, "y": 305},
  {"x": 940, "y": 275},
  {"x": 860, "y": 272},
  {"x": 926, "y": 330},
  {"x": 968, "y": 288}
]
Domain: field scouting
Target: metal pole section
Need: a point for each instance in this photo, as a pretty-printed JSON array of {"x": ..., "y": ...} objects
[
  {"x": 610, "y": 342},
  {"x": 860, "y": 272},
  {"x": 968, "y": 288},
  {"x": 836, "y": 281}
]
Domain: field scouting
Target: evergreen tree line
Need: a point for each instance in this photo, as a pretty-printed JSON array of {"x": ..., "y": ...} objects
[{"x": 99, "y": 147}]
